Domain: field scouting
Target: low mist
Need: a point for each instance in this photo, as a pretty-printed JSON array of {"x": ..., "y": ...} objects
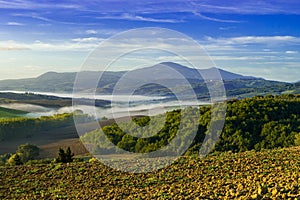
[{"x": 118, "y": 109}]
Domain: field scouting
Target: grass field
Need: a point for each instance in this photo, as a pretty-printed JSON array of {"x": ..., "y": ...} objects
[
  {"x": 269, "y": 174},
  {"x": 11, "y": 113}
]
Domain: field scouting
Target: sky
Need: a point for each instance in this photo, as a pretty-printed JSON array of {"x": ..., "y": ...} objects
[{"x": 250, "y": 37}]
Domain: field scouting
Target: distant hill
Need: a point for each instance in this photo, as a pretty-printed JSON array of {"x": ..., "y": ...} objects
[{"x": 166, "y": 73}]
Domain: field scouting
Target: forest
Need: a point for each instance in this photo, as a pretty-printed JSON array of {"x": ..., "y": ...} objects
[{"x": 261, "y": 122}]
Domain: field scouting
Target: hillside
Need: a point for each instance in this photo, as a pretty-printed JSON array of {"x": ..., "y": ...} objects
[
  {"x": 269, "y": 174},
  {"x": 253, "y": 123},
  {"x": 45, "y": 100},
  {"x": 11, "y": 113},
  {"x": 235, "y": 84}
]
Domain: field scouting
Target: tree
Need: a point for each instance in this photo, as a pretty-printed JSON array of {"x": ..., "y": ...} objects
[
  {"x": 127, "y": 143},
  {"x": 28, "y": 152},
  {"x": 64, "y": 157},
  {"x": 61, "y": 156},
  {"x": 69, "y": 155}
]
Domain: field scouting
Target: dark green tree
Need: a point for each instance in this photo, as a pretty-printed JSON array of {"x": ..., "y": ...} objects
[
  {"x": 61, "y": 156},
  {"x": 64, "y": 157},
  {"x": 69, "y": 155}
]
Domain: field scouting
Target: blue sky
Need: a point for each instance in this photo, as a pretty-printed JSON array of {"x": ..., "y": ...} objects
[{"x": 258, "y": 38}]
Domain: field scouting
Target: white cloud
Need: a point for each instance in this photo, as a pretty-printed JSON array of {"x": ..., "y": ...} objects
[
  {"x": 226, "y": 28},
  {"x": 91, "y": 32},
  {"x": 88, "y": 39},
  {"x": 291, "y": 52},
  {"x": 103, "y": 31},
  {"x": 14, "y": 24}
]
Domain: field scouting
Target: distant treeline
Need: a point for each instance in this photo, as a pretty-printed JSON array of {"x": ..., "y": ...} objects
[{"x": 253, "y": 123}]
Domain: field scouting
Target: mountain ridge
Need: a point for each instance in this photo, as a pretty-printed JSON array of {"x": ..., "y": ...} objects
[{"x": 165, "y": 72}]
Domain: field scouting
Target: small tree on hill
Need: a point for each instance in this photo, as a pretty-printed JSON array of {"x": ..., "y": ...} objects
[
  {"x": 61, "y": 156},
  {"x": 64, "y": 157},
  {"x": 69, "y": 155}
]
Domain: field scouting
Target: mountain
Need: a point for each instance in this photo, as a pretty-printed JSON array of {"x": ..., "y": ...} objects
[
  {"x": 158, "y": 79},
  {"x": 48, "y": 82},
  {"x": 162, "y": 71}
]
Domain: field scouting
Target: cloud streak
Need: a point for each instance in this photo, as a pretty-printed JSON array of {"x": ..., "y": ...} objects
[
  {"x": 40, "y": 17},
  {"x": 214, "y": 19},
  {"x": 76, "y": 44},
  {"x": 170, "y": 6},
  {"x": 131, "y": 17},
  {"x": 255, "y": 40},
  {"x": 201, "y": 6},
  {"x": 14, "y": 24},
  {"x": 29, "y": 5}
]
